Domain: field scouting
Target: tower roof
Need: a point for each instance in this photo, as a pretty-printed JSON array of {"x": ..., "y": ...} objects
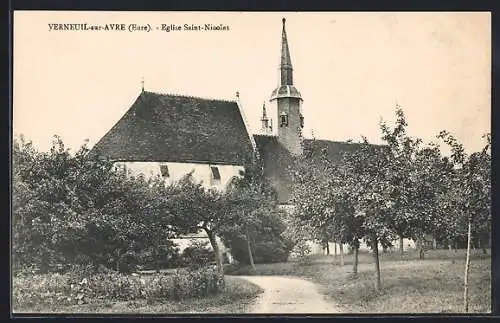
[
  {"x": 285, "y": 88},
  {"x": 285, "y": 51}
]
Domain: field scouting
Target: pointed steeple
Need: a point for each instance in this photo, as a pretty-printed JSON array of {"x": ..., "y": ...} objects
[
  {"x": 288, "y": 102},
  {"x": 286, "y": 68},
  {"x": 264, "y": 120},
  {"x": 285, "y": 87},
  {"x": 264, "y": 114}
]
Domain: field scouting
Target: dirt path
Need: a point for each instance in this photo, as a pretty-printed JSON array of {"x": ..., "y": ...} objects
[{"x": 289, "y": 295}]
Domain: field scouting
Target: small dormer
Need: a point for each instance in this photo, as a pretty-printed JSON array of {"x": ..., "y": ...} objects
[
  {"x": 215, "y": 175},
  {"x": 164, "y": 171}
]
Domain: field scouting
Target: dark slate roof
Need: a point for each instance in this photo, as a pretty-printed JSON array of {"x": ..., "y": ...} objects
[
  {"x": 334, "y": 149},
  {"x": 160, "y": 127},
  {"x": 277, "y": 159}
]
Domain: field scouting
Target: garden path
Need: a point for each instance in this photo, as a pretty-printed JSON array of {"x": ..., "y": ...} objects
[{"x": 288, "y": 295}]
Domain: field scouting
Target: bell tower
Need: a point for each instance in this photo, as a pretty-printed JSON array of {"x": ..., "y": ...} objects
[{"x": 289, "y": 102}]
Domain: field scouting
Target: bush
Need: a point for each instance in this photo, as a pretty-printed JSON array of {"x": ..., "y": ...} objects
[
  {"x": 265, "y": 251},
  {"x": 30, "y": 290},
  {"x": 161, "y": 257},
  {"x": 301, "y": 252},
  {"x": 127, "y": 262},
  {"x": 270, "y": 252},
  {"x": 198, "y": 254}
]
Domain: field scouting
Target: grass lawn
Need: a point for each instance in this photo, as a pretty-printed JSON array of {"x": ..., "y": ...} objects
[
  {"x": 409, "y": 285},
  {"x": 238, "y": 295}
]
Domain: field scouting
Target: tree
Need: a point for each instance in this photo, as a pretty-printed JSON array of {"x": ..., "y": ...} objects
[
  {"x": 366, "y": 179},
  {"x": 345, "y": 199},
  {"x": 195, "y": 208},
  {"x": 472, "y": 198},
  {"x": 75, "y": 209},
  {"x": 254, "y": 218}
]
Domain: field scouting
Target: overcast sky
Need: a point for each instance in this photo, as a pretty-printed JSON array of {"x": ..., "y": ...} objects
[{"x": 351, "y": 68}]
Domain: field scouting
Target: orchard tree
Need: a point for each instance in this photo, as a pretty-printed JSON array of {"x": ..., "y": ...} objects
[
  {"x": 314, "y": 198},
  {"x": 471, "y": 198},
  {"x": 366, "y": 181},
  {"x": 196, "y": 208},
  {"x": 402, "y": 151}
]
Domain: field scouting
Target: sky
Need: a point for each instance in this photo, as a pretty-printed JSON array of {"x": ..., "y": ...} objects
[{"x": 352, "y": 68}]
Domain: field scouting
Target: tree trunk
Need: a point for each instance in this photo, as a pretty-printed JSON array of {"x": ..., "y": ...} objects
[
  {"x": 434, "y": 244},
  {"x": 327, "y": 248},
  {"x": 420, "y": 244},
  {"x": 483, "y": 245},
  {"x": 215, "y": 247},
  {"x": 250, "y": 252},
  {"x": 449, "y": 247},
  {"x": 341, "y": 247},
  {"x": 467, "y": 263},
  {"x": 118, "y": 260},
  {"x": 355, "y": 262},
  {"x": 377, "y": 263},
  {"x": 401, "y": 244},
  {"x": 335, "y": 249},
  {"x": 157, "y": 260}
]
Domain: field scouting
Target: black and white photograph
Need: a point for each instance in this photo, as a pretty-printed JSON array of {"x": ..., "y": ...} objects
[{"x": 169, "y": 162}]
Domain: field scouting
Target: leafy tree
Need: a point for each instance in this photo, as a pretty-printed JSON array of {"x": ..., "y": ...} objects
[
  {"x": 367, "y": 180},
  {"x": 471, "y": 192},
  {"x": 254, "y": 219},
  {"x": 72, "y": 208},
  {"x": 195, "y": 208},
  {"x": 331, "y": 199}
]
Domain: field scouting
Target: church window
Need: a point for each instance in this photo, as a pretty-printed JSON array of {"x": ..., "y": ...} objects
[
  {"x": 164, "y": 171},
  {"x": 215, "y": 173},
  {"x": 301, "y": 121},
  {"x": 283, "y": 120}
]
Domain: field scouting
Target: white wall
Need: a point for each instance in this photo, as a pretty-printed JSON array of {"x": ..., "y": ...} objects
[
  {"x": 202, "y": 172},
  {"x": 318, "y": 249}
]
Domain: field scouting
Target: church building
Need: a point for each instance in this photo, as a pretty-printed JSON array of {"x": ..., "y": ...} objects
[{"x": 172, "y": 135}]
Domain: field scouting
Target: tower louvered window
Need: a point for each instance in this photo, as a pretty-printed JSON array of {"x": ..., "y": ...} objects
[{"x": 283, "y": 120}]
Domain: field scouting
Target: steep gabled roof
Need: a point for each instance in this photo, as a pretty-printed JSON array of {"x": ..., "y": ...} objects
[
  {"x": 277, "y": 160},
  {"x": 175, "y": 128}
]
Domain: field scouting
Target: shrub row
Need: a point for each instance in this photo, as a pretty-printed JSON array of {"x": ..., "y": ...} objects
[{"x": 74, "y": 288}]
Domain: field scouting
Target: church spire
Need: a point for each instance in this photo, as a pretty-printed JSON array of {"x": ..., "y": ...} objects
[
  {"x": 264, "y": 120},
  {"x": 264, "y": 115},
  {"x": 286, "y": 69},
  {"x": 285, "y": 88},
  {"x": 288, "y": 102}
]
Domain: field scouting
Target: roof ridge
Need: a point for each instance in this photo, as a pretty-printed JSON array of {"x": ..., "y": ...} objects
[
  {"x": 191, "y": 96},
  {"x": 347, "y": 141},
  {"x": 264, "y": 135}
]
